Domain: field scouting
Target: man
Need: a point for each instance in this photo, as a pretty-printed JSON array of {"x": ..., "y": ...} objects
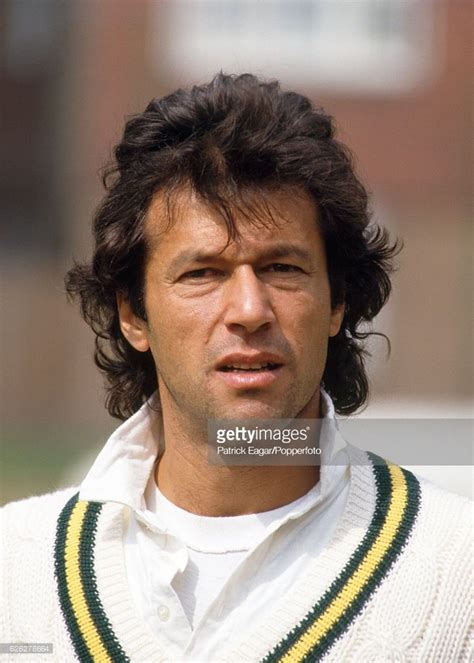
[{"x": 234, "y": 263}]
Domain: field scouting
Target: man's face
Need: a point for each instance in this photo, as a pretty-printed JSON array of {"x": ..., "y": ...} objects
[{"x": 238, "y": 330}]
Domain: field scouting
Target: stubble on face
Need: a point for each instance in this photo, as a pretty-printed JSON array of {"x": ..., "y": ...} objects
[{"x": 243, "y": 303}]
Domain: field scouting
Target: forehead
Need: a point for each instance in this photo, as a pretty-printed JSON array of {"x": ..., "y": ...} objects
[{"x": 182, "y": 220}]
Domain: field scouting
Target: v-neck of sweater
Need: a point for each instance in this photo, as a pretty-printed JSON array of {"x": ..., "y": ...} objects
[{"x": 380, "y": 511}]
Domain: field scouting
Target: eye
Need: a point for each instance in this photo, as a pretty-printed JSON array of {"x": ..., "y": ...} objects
[
  {"x": 283, "y": 268},
  {"x": 205, "y": 272}
]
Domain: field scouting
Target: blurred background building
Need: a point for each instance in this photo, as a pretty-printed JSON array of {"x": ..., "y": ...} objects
[{"x": 395, "y": 74}]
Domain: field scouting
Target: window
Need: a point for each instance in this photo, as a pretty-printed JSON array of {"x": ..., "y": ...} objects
[{"x": 359, "y": 45}]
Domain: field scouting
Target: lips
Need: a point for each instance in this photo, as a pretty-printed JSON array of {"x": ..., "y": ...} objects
[
  {"x": 249, "y": 362},
  {"x": 250, "y": 371},
  {"x": 253, "y": 367}
]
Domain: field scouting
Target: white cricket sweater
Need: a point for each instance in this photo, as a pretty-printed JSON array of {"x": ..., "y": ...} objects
[
  {"x": 394, "y": 582},
  {"x": 188, "y": 572}
]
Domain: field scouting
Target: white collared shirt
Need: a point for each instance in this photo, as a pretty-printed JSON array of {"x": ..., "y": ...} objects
[{"x": 199, "y": 581}]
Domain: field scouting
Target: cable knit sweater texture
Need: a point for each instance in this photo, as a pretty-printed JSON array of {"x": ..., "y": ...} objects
[{"x": 393, "y": 584}]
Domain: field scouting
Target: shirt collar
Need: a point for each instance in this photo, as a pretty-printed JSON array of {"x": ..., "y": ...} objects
[{"x": 123, "y": 470}]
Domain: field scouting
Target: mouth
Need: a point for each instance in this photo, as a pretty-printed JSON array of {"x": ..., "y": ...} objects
[
  {"x": 246, "y": 372},
  {"x": 253, "y": 368}
]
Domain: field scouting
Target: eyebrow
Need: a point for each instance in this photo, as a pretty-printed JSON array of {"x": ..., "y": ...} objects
[{"x": 282, "y": 250}]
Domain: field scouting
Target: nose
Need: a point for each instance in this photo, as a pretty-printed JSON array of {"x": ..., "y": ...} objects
[{"x": 248, "y": 305}]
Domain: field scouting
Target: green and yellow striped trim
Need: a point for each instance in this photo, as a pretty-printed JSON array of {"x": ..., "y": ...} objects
[
  {"x": 397, "y": 505},
  {"x": 91, "y": 633},
  {"x": 396, "y": 508}
]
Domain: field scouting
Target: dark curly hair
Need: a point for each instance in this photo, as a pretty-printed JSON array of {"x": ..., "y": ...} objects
[{"x": 232, "y": 135}]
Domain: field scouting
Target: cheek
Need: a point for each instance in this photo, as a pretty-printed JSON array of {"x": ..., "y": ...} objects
[
  {"x": 309, "y": 319},
  {"x": 177, "y": 326}
]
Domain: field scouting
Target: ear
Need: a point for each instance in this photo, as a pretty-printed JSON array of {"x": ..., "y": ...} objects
[
  {"x": 133, "y": 327},
  {"x": 337, "y": 316}
]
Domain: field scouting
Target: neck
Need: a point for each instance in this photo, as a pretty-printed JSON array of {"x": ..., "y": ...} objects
[{"x": 186, "y": 478}]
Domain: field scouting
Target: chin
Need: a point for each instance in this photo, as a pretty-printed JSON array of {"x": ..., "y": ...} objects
[{"x": 254, "y": 410}]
